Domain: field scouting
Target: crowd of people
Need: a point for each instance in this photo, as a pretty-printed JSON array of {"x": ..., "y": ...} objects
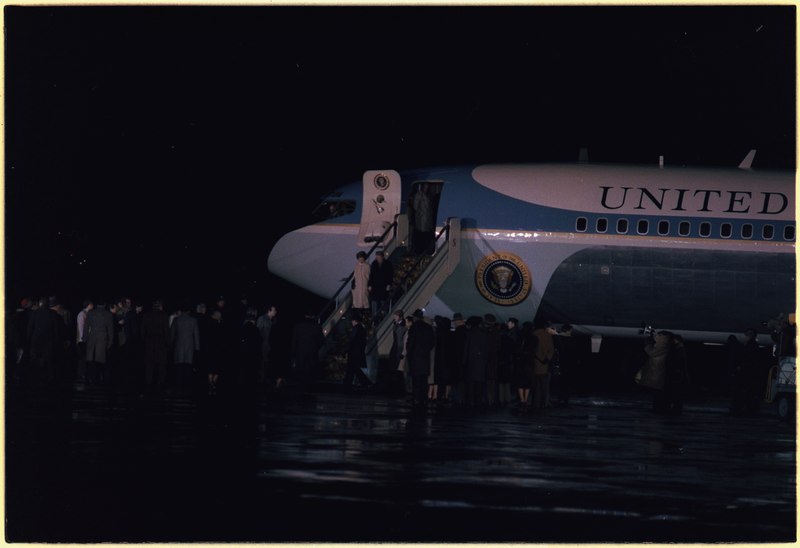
[
  {"x": 480, "y": 362},
  {"x": 148, "y": 352}
]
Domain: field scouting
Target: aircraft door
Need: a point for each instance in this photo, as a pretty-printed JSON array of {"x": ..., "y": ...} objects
[{"x": 381, "y": 202}]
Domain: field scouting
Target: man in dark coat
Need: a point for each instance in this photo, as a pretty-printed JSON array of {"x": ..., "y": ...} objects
[
  {"x": 18, "y": 337},
  {"x": 748, "y": 381},
  {"x": 307, "y": 340},
  {"x": 99, "y": 340},
  {"x": 381, "y": 277},
  {"x": 46, "y": 336},
  {"x": 476, "y": 362},
  {"x": 459, "y": 344},
  {"x": 397, "y": 382},
  {"x": 185, "y": 336},
  {"x": 155, "y": 334},
  {"x": 356, "y": 355},
  {"x": 421, "y": 340}
]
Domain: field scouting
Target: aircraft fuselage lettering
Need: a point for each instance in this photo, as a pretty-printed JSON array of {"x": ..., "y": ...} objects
[{"x": 702, "y": 200}]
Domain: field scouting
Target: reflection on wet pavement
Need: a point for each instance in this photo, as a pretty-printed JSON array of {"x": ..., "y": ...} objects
[{"x": 326, "y": 467}]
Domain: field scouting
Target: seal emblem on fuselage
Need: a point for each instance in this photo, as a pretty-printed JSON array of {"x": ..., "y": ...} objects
[{"x": 503, "y": 278}]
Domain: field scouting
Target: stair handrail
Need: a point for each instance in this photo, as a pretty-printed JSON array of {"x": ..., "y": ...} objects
[
  {"x": 444, "y": 231},
  {"x": 324, "y": 315},
  {"x": 380, "y": 329}
]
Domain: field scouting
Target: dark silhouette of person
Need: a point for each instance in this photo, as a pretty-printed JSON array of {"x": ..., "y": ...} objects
[
  {"x": 381, "y": 277},
  {"x": 423, "y": 220},
  {"x": 459, "y": 343},
  {"x": 747, "y": 383},
  {"x": 524, "y": 371},
  {"x": 18, "y": 339},
  {"x": 245, "y": 378},
  {"x": 185, "y": 336},
  {"x": 444, "y": 360},
  {"x": 46, "y": 336},
  {"x": 506, "y": 359},
  {"x": 421, "y": 340},
  {"x": 676, "y": 377},
  {"x": 155, "y": 337},
  {"x": 396, "y": 378},
  {"x": 214, "y": 348},
  {"x": 99, "y": 340},
  {"x": 493, "y": 330},
  {"x": 476, "y": 361},
  {"x": 567, "y": 344},
  {"x": 307, "y": 341},
  {"x": 356, "y": 355}
]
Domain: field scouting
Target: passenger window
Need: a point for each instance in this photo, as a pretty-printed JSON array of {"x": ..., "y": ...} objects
[
  {"x": 705, "y": 230},
  {"x": 642, "y": 226},
  {"x": 726, "y": 230},
  {"x": 663, "y": 228},
  {"x": 684, "y": 228},
  {"x": 622, "y": 226},
  {"x": 788, "y": 232},
  {"x": 602, "y": 225},
  {"x": 747, "y": 231},
  {"x": 768, "y": 232},
  {"x": 581, "y": 224}
]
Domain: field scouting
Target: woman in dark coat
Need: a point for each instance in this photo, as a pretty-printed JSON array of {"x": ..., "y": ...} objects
[
  {"x": 523, "y": 370},
  {"x": 421, "y": 340}
]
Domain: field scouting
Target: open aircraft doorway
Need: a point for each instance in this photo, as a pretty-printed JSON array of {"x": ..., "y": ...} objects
[{"x": 422, "y": 208}]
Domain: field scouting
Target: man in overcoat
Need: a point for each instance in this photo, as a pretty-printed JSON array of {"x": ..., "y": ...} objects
[
  {"x": 99, "y": 339},
  {"x": 421, "y": 340}
]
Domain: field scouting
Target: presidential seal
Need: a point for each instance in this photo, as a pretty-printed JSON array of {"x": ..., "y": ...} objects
[{"x": 503, "y": 278}]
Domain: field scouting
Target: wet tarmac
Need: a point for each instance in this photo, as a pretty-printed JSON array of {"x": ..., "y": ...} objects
[{"x": 325, "y": 467}]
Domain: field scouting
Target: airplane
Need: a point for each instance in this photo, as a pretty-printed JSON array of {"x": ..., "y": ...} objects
[{"x": 702, "y": 252}]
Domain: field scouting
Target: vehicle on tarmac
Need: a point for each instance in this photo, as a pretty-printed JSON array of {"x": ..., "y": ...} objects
[{"x": 782, "y": 384}]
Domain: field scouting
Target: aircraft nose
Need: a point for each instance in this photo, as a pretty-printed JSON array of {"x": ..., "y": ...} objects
[
  {"x": 312, "y": 258},
  {"x": 286, "y": 256}
]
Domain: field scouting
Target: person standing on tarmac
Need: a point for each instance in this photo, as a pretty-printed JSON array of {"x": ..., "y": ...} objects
[
  {"x": 421, "y": 340},
  {"x": 356, "y": 355},
  {"x": 307, "y": 341},
  {"x": 545, "y": 350},
  {"x": 747, "y": 381}
]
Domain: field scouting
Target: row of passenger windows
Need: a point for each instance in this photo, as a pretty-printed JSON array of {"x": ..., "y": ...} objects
[{"x": 704, "y": 228}]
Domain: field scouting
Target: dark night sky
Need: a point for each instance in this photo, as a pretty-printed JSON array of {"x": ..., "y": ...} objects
[{"x": 158, "y": 149}]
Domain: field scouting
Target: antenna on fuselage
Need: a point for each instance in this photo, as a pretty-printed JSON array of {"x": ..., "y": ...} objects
[
  {"x": 583, "y": 156},
  {"x": 661, "y": 161},
  {"x": 748, "y": 160}
]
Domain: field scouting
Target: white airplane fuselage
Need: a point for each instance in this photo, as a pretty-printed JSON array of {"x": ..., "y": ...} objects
[{"x": 702, "y": 252}]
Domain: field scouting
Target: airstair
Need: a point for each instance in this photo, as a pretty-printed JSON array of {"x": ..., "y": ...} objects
[{"x": 417, "y": 278}]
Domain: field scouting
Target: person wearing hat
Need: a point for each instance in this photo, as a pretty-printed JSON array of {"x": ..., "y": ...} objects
[{"x": 421, "y": 340}]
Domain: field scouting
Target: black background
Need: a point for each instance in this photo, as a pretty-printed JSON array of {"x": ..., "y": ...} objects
[{"x": 157, "y": 150}]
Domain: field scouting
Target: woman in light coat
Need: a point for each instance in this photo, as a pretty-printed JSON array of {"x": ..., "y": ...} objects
[{"x": 360, "y": 284}]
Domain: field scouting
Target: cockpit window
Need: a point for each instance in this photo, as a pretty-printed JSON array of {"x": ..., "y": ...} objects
[{"x": 329, "y": 209}]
